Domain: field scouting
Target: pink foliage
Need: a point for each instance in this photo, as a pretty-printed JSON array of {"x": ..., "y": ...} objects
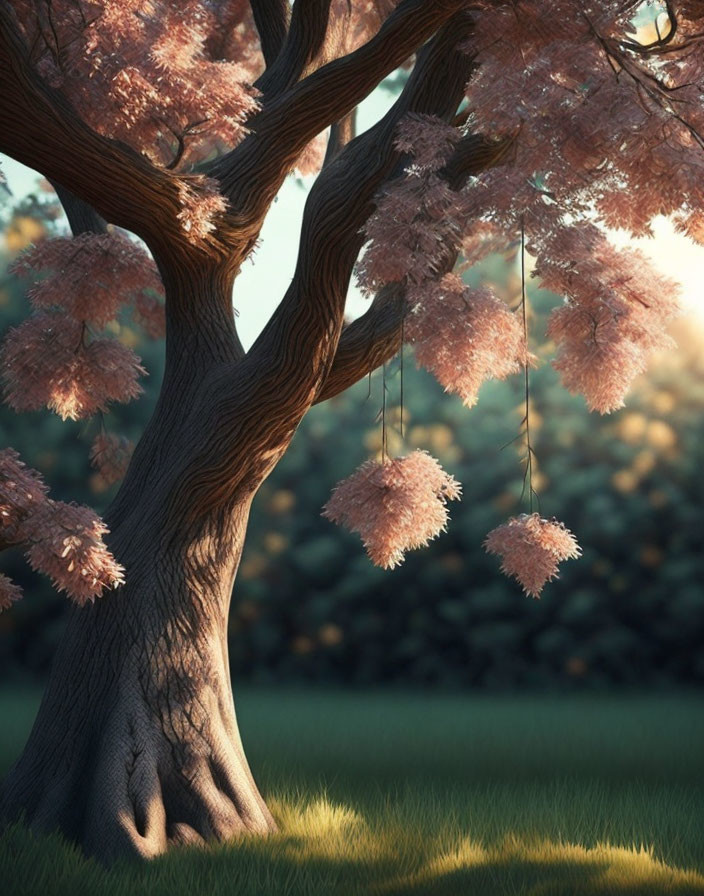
[
  {"x": 395, "y": 505},
  {"x": 72, "y": 553},
  {"x": 9, "y": 592},
  {"x": 615, "y": 315},
  {"x": 63, "y": 541},
  {"x": 415, "y": 226},
  {"x": 171, "y": 81},
  {"x": 88, "y": 276},
  {"x": 311, "y": 160},
  {"x": 428, "y": 140},
  {"x": 464, "y": 336},
  {"x": 22, "y": 493},
  {"x": 201, "y": 204},
  {"x": 110, "y": 454},
  {"x": 531, "y": 549},
  {"x": 46, "y": 361}
]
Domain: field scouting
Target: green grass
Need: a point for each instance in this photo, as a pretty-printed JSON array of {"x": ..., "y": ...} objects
[{"x": 393, "y": 793}]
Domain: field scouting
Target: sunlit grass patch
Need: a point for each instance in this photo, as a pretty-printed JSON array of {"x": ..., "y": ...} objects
[
  {"x": 548, "y": 868},
  {"x": 390, "y": 794}
]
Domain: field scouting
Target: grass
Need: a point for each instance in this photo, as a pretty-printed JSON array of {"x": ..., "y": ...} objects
[{"x": 390, "y": 793}]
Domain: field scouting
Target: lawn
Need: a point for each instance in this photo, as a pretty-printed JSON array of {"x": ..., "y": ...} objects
[{"x": 394, "y": 793}]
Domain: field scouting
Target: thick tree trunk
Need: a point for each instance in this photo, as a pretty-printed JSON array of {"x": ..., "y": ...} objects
[{"x": 136, "y": 743}]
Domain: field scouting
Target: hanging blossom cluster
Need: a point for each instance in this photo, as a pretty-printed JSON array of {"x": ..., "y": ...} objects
[
  {"x": 63, "y": 541},
  {"x": 172, "y": 81},
  {"x": 110, "y": 455},
  {"x": 464, "y": 336},
  {"x": 531, "y": 549},
  {"x": 201, "y": 204},
  {"x": 606, "y": 119},
  {"x": 54, "y": 358},
  {"x": 394, "y": 505},
  {"x": 616, "y": 313}
]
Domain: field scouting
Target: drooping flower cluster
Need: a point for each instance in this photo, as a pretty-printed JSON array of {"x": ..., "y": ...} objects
[
  {"x": 414, "y": 228},
  {"x": 64, "y": 541},
  {"x": 418, "y": 218},
  {"x": 53, "y": 358},
  {"x": 110, "y": 455},
  {"x": 201, "y": 204},
  {"x": 464, "y": 336},
  {"x": 395, "y": 505},
  {"x": 47, "y": 361},
  {"x": 531, "y": 549},
  {"x": 89, "y": 276},
  {"x": 72, "y": 553},
  {"x": 616, "y": 313}
]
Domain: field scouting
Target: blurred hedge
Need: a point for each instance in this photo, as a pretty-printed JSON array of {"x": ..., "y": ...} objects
[{"x": 308, "y": 605}]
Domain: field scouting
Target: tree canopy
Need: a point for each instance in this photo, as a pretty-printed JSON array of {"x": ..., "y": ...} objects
[{"x": 534, "y": 125}]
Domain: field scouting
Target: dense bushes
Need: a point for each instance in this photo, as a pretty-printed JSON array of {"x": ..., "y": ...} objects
[{"x": 309, "y": 605}]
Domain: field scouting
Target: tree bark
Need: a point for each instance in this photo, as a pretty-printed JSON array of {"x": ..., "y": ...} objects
[{"x": 136, "y": 744}]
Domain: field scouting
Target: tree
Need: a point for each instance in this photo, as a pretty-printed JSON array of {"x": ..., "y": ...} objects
[{"x": 528, "y": 124}]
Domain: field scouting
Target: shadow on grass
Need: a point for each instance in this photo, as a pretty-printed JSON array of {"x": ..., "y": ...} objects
[{"x": 330, "y": 849}]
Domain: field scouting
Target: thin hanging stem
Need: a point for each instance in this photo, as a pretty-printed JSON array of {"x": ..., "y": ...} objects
[
  {"x": 528, "y": 476},
  {"x": 400, "y": 356},
  {"x": 384, "y": 452}
]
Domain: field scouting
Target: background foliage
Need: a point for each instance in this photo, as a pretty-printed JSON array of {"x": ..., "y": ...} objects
[{"x": 310, "y": 606}]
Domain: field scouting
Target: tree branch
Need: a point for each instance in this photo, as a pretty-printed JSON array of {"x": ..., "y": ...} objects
[
  {"x": 303, "y": 42},
  {"x": 376, "y": 336},
  {"x": 271, "y": 18},
  {"x": 257, "y": 404},
  {"x": 252, "y": 174},
  {"x": 341, "y": 133},
  {"x": 82, "y": 218},
  {"x": 39, "y": 128}
]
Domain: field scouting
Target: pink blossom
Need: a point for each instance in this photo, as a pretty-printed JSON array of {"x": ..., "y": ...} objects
[
  {"x": 9, "y": 592},
  {"x": 22, "y": 493},
  {"x": 531, "y": 549},
  {"x": 69, "y": 548},
  {"x": 201, "y": 204},
  {"x": 394, "y": 505},
  {"x": 110, "y": 454},
  {"x": 47, "y": 361},
  {"x": 464, "y": 336},
  {"x": 428, "y": 140},
  {"x": 62, "y": 540},
  {"x": 89, "y": 276}
]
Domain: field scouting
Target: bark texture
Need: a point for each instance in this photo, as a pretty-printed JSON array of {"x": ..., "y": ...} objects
[{"x": 136, "y": 744}]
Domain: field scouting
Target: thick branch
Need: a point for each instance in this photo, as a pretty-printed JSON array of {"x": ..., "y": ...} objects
[
  {"x": 341, "y": 133},
  {"x": 82, "y": 218},
  {"x": 271, "y": 18},
  {"x": 252, "y": 174},
  {"x": 257, "y": 404},
  {"x": 305, "y": 38},
  {"x": 39, "y": 128},
  {"x": 376, "y": 336},
  {"x": 367, "y": 343}
]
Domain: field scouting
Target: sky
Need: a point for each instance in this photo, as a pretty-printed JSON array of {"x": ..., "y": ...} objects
[{"x": 267, "y": 274}]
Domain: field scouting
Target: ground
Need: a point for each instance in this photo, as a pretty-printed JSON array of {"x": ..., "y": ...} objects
[{"x": 392, "y": 793}]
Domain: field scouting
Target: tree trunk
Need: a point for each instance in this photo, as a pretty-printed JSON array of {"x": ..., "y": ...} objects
[{"x": 136, "y": 744}]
